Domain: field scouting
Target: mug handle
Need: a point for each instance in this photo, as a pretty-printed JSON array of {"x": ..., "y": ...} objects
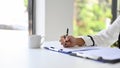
[{"x": 42, "y": 40}]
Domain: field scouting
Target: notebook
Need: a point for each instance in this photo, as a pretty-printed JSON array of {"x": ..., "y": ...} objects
[{"x": 102, "y": 54}]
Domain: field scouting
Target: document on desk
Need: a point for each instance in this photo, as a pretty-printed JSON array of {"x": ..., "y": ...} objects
[{"x": 103, "y": 54}]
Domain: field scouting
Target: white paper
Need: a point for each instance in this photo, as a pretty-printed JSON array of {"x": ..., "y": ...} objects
[
  {"x": 58, "y": 46},
  {"x": 106, "y": 53}
]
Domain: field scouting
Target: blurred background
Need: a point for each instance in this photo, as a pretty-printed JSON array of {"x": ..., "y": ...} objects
[
  {"x": 82, "y": 17},
  {"x": 91, "y": 16}
]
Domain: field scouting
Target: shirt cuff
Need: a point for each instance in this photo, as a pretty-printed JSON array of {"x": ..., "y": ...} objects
[{"x": 88, "y": 41}]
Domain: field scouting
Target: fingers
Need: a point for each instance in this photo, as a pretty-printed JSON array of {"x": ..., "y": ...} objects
[
  {"x": 66, "y": 41},
  {"x": 67, "y": 44},
  {"x": 63, "y": 40}
]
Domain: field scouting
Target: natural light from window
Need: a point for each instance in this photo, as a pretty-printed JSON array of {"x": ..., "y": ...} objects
[
  {"x": 13, "y": 14},
  {"x": 13, "y": 24}
]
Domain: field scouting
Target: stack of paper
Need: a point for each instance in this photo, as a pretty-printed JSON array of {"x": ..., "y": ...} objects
[{"x": 103, "y": 54}]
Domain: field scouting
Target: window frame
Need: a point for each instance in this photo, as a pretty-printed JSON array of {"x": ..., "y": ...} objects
[{"x": 31, "y": 14}]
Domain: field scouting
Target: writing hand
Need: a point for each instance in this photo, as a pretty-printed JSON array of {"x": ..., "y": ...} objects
[{"x": 70, "y": 41}]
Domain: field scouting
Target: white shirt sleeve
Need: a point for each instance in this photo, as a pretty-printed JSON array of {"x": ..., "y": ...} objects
[{"x": 105, "y": 37}]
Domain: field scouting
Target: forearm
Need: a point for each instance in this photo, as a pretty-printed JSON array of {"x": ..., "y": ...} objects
[
  {"x": 105, "y": 37},
  {"x": 79, "y": 41}
]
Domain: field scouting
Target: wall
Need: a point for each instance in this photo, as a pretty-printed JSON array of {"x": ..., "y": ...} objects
[
  {"x": 40, "y": 17},
  {"x": 58, "y": 17}
]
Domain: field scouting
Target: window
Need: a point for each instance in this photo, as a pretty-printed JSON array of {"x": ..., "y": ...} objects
[
  {"x": 13, "y": 15},
  {"x": 91, "y": 16},
  {"x": 13, "y": 24},
  {"x": 30, "y": 14},
  {"x": 118, "y": 7}
]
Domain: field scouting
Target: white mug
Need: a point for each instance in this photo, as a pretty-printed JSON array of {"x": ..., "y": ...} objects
[{"x": 35, "y": 41}]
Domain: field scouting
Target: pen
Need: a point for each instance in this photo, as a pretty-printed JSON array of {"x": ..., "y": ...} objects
[{"x": 67, "y": 32}]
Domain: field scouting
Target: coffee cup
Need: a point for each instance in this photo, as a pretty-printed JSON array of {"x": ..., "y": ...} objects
[{"x": 35, "y": 41}]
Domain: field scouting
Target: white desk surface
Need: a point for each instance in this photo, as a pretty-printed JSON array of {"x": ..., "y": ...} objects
[{"x": 15, "y": 54}]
